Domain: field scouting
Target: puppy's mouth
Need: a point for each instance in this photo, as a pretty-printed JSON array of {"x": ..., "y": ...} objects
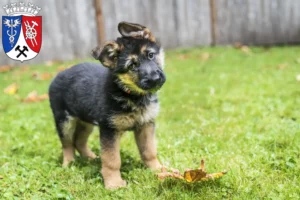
[
  {"x": 141, "y": 87},
  {"x": 152, "y": 84},
  {"x": 126, "y": 83},
  {"x": 151, "y": 87}
]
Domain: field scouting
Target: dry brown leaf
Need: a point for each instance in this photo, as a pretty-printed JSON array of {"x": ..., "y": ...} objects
[
  {"x": 164, "y": 173},
  {"x": 31, "y": 96},
  {"x": 61, "y": 68},
  {"x": 238, "y": 45},
  {"x": 11, "y": 89},
  {"x": 194, "y": 175},
  {"x": 243, "y": 48},
  {"x": 44, "y": 97},
  {"x": 246, "y": 49},
  {"x": 5, "y": 68},
  {"x": 34, "y": 97},
  {"x": 205, "y": 56},
  {"x": 190, "y": 175},
  {"x": 24, "y": 68},
  {"x": 183, "y": 56},
  {"x": 41, "y": 76}
]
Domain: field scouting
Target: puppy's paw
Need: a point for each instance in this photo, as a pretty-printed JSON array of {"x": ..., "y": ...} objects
[
  {"x": 153, "y": 164},
  {"x": 67, "y": 163},
  {"x": 91, "y": 155},
  {"x": 114, "y": 184}
]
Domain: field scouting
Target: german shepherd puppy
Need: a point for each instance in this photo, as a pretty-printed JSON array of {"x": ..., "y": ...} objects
[{"x": 117, "y": 96}]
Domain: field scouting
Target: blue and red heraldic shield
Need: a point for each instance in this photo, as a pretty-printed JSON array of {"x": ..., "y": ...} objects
[{"x": 22, "y": 36}]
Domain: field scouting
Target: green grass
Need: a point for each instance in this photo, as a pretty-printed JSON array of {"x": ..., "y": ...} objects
[{"x": 238, "y": 111}]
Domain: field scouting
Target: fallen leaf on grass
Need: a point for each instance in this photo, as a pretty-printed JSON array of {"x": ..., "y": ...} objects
[
  {"x": 243, "y": 48},
  {"x": 190, "y": 175},
  {"x": 34, "y": 97},
  {"x": 24, "y": 68},
  {"x": 61, "y": 68},
  {"x": 11, "y": 89},
  {"x": 5, "y": 68},
  {"x": 246, "y": 49},
  {"x": 41, "y": 76},
  {"x": 205, "y": 56},
  {"x": 183, "y": 57},
  {"x": 238, "y": 45},
  {"x": 164, "y": 173}
]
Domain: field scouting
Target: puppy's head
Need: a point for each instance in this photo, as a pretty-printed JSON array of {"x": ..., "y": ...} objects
[{"x": 135, "y": 59}]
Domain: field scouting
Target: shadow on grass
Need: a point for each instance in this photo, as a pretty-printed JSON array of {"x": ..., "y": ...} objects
[
  {"x": 195, "y": 188},
  {"x": 92, "y": 168}
]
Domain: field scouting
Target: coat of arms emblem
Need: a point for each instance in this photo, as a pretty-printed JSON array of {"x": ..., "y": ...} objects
[{"x": 21, "y": 31}]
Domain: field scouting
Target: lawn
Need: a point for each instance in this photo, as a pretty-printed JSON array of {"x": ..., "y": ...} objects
[{"x": 239, "y": 109}]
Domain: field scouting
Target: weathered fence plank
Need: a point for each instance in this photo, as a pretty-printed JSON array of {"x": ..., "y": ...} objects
[
  {"x": 3, "y": 58},
  {"x": 174, "y": 22},
  {"x": 70, "y": 26},
  {"x": 257, "y": 21}
]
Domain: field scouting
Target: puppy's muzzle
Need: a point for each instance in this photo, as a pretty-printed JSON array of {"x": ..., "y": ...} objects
[{"x": 154, "y": 79}]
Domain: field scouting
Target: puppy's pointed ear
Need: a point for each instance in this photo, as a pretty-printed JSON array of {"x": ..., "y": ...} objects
[
  {"x": 127, "y": 29},
  {"x": 107, "y": 55}
]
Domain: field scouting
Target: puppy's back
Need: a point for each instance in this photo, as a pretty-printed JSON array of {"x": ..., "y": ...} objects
[{"x": 77, "y": 88}]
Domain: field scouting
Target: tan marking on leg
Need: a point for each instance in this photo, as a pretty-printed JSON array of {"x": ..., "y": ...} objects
[
  {"x": 139, "y": 116},
  {"x": 82, "y": 133},
  {"x": 145, "y": 139},
  {"x": 69, "y": 155},
  {"x": 111, "y": 163},
  {"x": 68, "y": 129},
  {"x": 123, "y": 121}
]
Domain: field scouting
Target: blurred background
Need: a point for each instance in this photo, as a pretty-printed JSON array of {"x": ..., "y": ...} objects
[{"x": 71, "y": 28}]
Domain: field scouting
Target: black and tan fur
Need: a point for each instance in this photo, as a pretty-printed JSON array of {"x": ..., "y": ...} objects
[{"x": 117, "y": 96}]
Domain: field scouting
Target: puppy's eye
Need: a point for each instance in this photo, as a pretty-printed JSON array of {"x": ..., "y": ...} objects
[
  {"x": 150, "y": 56},
  {"x": 131, "y": 66}
]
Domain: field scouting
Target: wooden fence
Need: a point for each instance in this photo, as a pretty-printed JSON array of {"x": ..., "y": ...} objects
[
  {"x": 71, "y": 28},
  {"x": 257, "y": 21}
]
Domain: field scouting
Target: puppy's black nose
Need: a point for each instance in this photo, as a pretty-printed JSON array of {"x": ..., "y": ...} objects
[
  {"x": 155, "y": 78},
  {"x": 151, "y": 81}
]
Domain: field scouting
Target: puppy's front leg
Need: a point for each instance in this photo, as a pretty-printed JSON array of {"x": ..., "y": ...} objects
[
  {"x": 145, "y": 139},
  {"x": 110, "y": 156}
]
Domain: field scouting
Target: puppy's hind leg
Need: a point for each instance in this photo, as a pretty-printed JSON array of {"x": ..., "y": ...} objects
[
  {"x": 66, "y": 126},
  {"x": 82, "y": 132}
]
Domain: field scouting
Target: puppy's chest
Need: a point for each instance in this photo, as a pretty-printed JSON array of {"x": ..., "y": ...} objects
[{"x": 127, "y": 121}]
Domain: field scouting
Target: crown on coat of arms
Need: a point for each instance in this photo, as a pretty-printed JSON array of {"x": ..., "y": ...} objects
[{"x": 15, "y": 9}]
